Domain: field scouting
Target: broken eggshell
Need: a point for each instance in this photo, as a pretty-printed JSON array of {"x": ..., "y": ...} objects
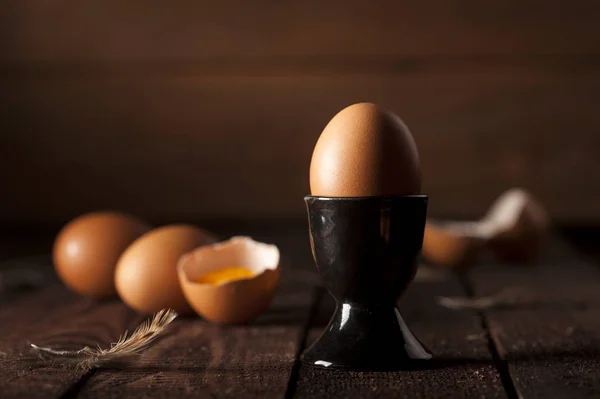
[
  {"x": 452, "y": 245},
  {"x": 235, "y": 301},
  {"x": 513, "y": 229},
  {"x": 517, "y": 225}
]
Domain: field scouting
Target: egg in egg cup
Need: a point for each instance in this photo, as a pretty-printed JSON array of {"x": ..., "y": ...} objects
[{"x": 366, "y": 221}]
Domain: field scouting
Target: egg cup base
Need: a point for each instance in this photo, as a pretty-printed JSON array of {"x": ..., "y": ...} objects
[{"x": 362, "y": 339}]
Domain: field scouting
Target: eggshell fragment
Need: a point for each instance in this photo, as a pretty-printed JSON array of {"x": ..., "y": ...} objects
[
  {"x": 146, "y": 274},
  {"x": 86, "y": 250},
  {"x": 519, "y": 224},
  {"x": 453, "y": 245},
  {"x": 514, "y": 229},
  {"x": 237, "y": 301}
]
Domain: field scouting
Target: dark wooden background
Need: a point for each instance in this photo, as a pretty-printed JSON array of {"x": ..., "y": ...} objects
[{"x": 198, "y": 109}]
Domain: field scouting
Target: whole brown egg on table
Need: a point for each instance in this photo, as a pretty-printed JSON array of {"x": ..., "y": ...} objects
[
  {"x": 146, "y": 273},
  {"x": 87, "y": 249}
]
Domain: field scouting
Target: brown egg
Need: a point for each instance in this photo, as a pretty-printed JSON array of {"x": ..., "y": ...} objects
[
  {"x": 230, "y": 301},
  {"x": 365, "y": 150},
  {"x": 146, "y": 274},
  {"x": 86, "y": 250}
]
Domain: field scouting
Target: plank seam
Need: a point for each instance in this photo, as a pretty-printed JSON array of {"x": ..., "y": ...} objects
[
  {"x": 500, "y": 363},
  {"x": 73, "y": 390},
  {"x": 317, "y": 298}
]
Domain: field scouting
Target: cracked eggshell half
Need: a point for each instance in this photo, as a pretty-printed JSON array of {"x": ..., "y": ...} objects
[
  {"x": 235, "y": 301},
  {"x": 518, "y": 225},
  {"x": 453, "y": 245}
]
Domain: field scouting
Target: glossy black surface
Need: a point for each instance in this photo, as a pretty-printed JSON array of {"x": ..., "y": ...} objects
[{"x": 366, "y": 251}]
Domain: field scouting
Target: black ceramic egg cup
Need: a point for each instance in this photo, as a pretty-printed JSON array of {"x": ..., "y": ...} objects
[{"x": 366, "y": 252}]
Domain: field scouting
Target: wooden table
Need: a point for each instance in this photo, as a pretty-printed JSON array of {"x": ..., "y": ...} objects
[{"x": 546, "y": 345}]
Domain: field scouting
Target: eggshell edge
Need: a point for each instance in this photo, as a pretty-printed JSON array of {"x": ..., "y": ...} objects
[
  {"x": 450, "y": 249},
  {"x": 522, "y": 226},
  {"x": 233, "y": 302}
]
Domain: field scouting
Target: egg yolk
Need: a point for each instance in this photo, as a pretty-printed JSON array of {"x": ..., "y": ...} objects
[{"x": 223, "y": 275}]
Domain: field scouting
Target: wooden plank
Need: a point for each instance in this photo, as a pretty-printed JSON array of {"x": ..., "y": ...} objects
[
  {"x": 204, "y": 360},
  {"x": 551, "y": 344},
  {"x": 186, "y": 147},
  {"x": 464, "y": 365},
  {"x": 73, "y": 30},
  {"x": 56, "y": 318}
]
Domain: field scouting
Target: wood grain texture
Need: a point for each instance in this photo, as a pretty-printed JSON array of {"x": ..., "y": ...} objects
[
  {"x": 57, "y": 318},
  {"x": 204, "y": 360},
  {"x": 53, "y": 316},
  {"x": 72, "y": 30},
  {"x": 551, "y": 345},
  {"x": 194, "y": 146},
  {"x": 464, "y": 366}
]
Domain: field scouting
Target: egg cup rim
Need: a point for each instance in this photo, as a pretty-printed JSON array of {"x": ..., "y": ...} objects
[{"x": 367, "y": 197}]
